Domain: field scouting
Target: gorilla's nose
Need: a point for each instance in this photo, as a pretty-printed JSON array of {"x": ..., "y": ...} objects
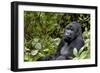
[{"x": 67, "y": 34}]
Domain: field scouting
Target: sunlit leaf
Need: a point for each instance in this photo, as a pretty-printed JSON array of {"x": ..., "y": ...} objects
[
  {"x": 38, "y": 46},
  {"x": 27, "y": 49},
  {"x": 26, "y": 57},
  {"x": 83, "y": 55},
  {"x": 42, "y": 55},
  {"x": 80, "y": 51},
  {"x": 36, "y": 39},
  {"x": 34, "y": 52},
  {"x": 46, "y": 50},
  {"x": 75, "y": 52}
]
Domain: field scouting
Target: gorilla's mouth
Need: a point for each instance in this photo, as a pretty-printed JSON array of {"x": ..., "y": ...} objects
[{"x": 67, "y": 39}]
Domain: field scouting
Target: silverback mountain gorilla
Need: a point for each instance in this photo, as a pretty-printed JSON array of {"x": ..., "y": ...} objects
[{"x": 72, "y": 38}]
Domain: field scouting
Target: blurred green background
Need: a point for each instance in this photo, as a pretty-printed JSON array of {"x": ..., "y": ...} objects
[{"x": 43, "y": 32}]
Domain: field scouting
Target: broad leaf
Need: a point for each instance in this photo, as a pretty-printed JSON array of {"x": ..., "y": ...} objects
[
  {"x": 34, "y": 52},
  {"x": 38, "y": 46},
  {"x": 83, "y": 55},
  {"x": 75, "y": 52}
]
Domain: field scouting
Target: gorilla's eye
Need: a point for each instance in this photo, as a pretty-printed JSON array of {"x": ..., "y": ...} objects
[{"x": 70, "y": 28}]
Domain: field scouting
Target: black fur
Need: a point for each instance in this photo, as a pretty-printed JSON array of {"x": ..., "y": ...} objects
[{"x": 72, "y": 38}]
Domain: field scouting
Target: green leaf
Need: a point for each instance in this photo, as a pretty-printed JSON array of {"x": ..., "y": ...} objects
[
  {"x": 45, "y": 50},
  {"x": 56, "y": 41},
  {"x": 80, "y": 51},
  {"x": 83, "y": 55},
  {"x": 26, "y": 57},
  {"x": 38, "y": 46},
  {"x": 75, "y": 52},
  {"x": 27, "y": 49},
  {"x": 34, "y": 52},
  {"x": 36, "y": 39},
  {"x": 42, "y": 55},
  {"x": 33, "y": 44}
]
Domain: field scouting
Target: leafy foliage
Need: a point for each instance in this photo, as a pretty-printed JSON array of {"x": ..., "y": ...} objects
[{"x": 44, "y": 30}]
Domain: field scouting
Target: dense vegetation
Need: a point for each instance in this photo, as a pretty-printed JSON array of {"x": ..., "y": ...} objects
[{"x": 43, "y": 32}]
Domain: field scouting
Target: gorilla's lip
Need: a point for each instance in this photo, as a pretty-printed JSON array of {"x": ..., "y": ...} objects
[{"x": 67, "y": 39}]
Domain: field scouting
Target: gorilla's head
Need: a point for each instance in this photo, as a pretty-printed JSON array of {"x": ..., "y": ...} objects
[{"x": 72, "y": 31}]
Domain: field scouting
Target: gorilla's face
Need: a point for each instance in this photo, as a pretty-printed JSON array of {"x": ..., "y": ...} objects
[{"x": 70, "y": 32}]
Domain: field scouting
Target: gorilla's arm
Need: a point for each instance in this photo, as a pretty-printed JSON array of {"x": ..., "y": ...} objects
[
  {"x": 77, "y": 43},
  {"x": 53, "y": 57},
  {"x": 59, "y": 48}
]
